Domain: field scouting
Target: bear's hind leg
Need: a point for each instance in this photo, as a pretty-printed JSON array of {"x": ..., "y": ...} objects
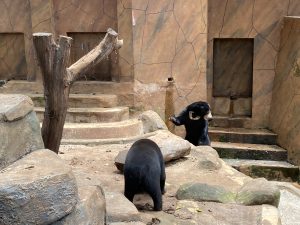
[
  {"x": 154, "y": 191},
  {"x": 162, "y": 182},
  {"x": 129, "y": 191}
]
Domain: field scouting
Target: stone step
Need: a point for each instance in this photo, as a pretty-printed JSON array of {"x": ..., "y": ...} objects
[
  {"x": 104, "y": 141},
  {"x": 226, "y": 122},
  {"x": 81, "y": 100},
  {"x": 271, "y": 170},
  {"x": 242, "y": 135},
  {"x": 92, "y": 115},
  {"x": 249, "y": 151},
  {"x": 123, "y": 129},
  {"x": 123, "y": 90}
]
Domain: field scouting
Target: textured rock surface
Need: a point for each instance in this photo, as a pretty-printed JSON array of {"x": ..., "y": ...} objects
[
  {"x": 37, "y": 189},
  {"x": 19, "y": 128},
  {"x": 205, "y": 192},
  {"x": 91, "y": 206},
  {"x": 233, "y": 19},
  {"x": 128, "y": 223},
  {"x": 208, "y": 158},
  {"x": 270, "y": 215},
  {"x": 14, "y": 107},
  {"x": 289, "y": 202},
  {"x": 90, "y": 209},
  {"x": 257, "y": 192},
  {"x": 152, "y": 122},
  {"x": 171, "y": 146},
  {"x": 284, "y": 119},
  {"x": 119, "y": 208},
  {"x": 208, "y": 213},
  {"x": 99, "y": 163}
]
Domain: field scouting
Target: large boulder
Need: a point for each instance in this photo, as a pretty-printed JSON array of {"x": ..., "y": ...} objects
[
  {"x": 20, "y": 131},
  {"x": 120, "y": 209},
  {"x": 152, "y": 122},
  {"x": 37, "y": 189},
  {"x": 91, "y": 207},
  {"x": 205, "y": 192},
  {"x": 208, "y": 158},
  {"x": 257, "y": 192},
  {"x": 171, "y": 146}
]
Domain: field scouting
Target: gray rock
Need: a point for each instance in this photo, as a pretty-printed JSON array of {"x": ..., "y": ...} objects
[
  {"x": 127, "y": 223},
  {"x": 205, "y": 192},
  {"x": 211, "y": 213},
  {"x": 14, "y": 107},
  {"x": 90, "y": 209},
  {"x": 171, "y": 146},
  {"x": 91, "y": 206},
  {"x": 119, "y": 208},
  {"x": 289, "y": 206},
  {"x": 20, "y": 131},
  {"x": 270, "y": 215},
  {"x": 152, "y": 121},
  {"x": 208, "y": 158},
  {"x": 257, "y": 192},
  {"x": 19, "y": 138},
  {"x": 37, "y": 189}
]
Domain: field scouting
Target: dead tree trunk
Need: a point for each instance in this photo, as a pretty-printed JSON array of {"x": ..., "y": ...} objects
[{"x": 57, "y": 78}]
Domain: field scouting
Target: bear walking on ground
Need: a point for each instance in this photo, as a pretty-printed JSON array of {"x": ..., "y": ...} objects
[
  {"x": 195, "y": 119},
  {"x": 144, "y": 171}
]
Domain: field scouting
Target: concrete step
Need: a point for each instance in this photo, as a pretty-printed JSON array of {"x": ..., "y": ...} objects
[
  {"x": 250, "y": 151},
  {"x": 122, "y": 129},
  {"x": 123, "y": 90},
  {"x": 227, "y": 122},
  {"x": 92, "y": 115},
  {"x": 104, "y": 141},
  {"x": 271, "y": 170},
  {"x": 242, "y": 135},
  {"x": 81, "y": 100}
]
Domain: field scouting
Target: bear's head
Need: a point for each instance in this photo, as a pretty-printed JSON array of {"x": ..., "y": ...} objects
[{"x": 198, "y": 110}]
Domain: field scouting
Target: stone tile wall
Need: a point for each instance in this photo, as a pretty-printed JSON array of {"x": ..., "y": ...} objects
[
  {"x": 262, "y": 21},
  {"x": 285, "y": 107},
  {"x": 24, "y": 17},
  {"x": 169, "y": 40}
]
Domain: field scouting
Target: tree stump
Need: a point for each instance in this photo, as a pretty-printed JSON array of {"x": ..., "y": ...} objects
[{"x": 53, "y": 60}]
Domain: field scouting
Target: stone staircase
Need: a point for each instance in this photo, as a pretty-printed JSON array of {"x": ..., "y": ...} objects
[
  {"x": 93, "y": 117},
  {"x": 98, "y": 111},
  {"x": 252, "y": 151}
]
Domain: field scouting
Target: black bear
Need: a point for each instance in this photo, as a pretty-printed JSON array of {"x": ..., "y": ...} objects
[
  {"x": 195, "y": 118},
  {"x": 144, "y": 171}
]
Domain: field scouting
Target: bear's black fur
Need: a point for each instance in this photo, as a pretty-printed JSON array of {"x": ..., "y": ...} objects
[
  {"x": 144, "y": 171},
  {"x": 195, "y": 119}
]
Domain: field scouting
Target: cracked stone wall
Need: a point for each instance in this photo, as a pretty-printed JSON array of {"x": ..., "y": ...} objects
[
  {"x": 285, "y": 107},
  {"x": 15, "y": 25},
  {"x": 20, "y": 18},
  {"x": 169, "y": 41},
  {"x": 262, "y": 21}
]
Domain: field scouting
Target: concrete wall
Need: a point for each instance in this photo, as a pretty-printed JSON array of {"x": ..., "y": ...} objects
[
  {"x": 20, "y": 18},
  {"x": 285, "y": 107},
  {"x": 262, "y": 21},
  {"x": 169, "y": 41}
]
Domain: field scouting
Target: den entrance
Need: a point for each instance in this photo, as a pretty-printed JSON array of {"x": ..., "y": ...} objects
[
  {"x": 84, "y": 43},
  {"x": 233, "y": 75}
]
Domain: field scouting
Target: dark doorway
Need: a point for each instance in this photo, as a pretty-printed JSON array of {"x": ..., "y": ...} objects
[
  {"x": 81, "y": 45},
  {"x": 233, "y": 70},
  {"x": 12, "y": 57}
]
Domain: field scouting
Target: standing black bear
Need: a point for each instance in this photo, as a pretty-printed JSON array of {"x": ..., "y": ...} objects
[
  {"x": 195, "y": 119},
  {"x": 144, "y": 171}
]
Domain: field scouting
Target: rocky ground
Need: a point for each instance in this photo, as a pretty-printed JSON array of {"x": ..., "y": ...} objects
[{"x": 219, "y": 182}]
